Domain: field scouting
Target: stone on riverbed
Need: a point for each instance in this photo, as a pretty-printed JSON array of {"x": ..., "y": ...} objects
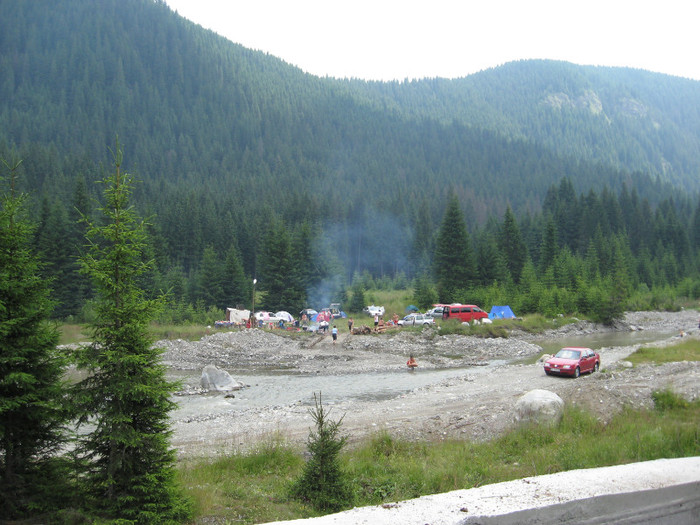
[
  {"x": 539, "y": 406},
  {"x": 214, "y": 378}
]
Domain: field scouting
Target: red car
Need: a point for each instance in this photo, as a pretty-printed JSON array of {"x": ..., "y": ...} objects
[{"x": 572, "y": 361}]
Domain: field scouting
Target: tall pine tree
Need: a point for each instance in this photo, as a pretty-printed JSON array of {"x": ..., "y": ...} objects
[
  {"x": 31, "y": 392},
  {"x": 512, "y": 245},
  {"x": 453, "y": 261},
  {"x": 129, "y": 464}
]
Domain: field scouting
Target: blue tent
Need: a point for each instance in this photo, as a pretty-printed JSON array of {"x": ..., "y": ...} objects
[{"x": 501, "y": 312}]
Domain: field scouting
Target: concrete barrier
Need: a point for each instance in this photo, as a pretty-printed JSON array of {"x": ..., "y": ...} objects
[
  {"x": 676, "y": 505},
  {"x": 664, "y": 491}
]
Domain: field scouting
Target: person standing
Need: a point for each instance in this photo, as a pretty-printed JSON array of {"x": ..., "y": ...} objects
[
  {"x": 334, "y": 333},
  {"x": 350, "y": 324},
  {"x": 376, "y": 320}
]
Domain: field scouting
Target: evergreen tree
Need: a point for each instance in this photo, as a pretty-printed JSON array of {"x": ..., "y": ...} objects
[
  {"x": 125, "y": 396},
  {"x": 549, "y": 248},
  {"x": 424, "y": 295},
  {"x": 357, "y": 300},
  {"x": 32, "y": 416},
  {"x": 51, "y": 241},
  {"x": 453, "y": 265},
  {"x": 695, "y": 229},
  {"x": 211, "y": 280},
  {"x": 323, "y": 483},
  {"x": 79, "y": 289},
  {"x": 490, "y": 264},
  {"x": 512, "y": 246},
  {"x": 276, "y": 269},
  {"x": 422, "y": 246},
  {"x": 237, "y": 288}
]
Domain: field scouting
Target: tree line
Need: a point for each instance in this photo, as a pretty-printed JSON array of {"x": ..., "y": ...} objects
[{"x": 207, "y": 250}]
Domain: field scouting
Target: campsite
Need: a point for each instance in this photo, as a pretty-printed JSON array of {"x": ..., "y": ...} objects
[{"x": 313, "y": 320}]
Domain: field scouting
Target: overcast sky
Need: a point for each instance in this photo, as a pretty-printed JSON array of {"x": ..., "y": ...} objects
[{"x": 396, "y": 40}]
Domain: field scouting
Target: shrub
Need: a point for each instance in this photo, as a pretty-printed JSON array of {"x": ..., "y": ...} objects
[
  {"x": 322, "y": 483},
  {"x": 667, "y": 400}
]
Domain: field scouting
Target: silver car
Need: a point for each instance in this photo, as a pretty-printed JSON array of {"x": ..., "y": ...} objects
[{"x": 417, "y": 320}]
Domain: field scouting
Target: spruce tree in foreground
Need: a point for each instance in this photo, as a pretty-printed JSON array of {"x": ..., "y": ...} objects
[
  {"x": 323, "y": 484},
  {"x": 126, "y": 397},
  {"x": 32, "y": 421}
]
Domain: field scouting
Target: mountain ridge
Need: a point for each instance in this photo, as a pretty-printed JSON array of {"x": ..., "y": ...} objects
[{"x": 175, "y": 92}]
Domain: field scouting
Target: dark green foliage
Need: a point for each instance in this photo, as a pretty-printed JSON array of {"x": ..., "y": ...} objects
[
  {"x": 323, "y": 484},
  {"x": 277, "y": 270},
  {"x": 237, "y": 286},
  {"x": 32, "y": 395},
  {"x": 357, "y": 298},
  {"x": 453, "y": 263},
  {"x": 358, "y": 173},
  {"x": 667, "y": 400},
  {"x": 212, "y": 280},
  {"x": 424, "y": 295},
  {"x": 128, "y": 462},
  {"x": 511, "y": 244}
]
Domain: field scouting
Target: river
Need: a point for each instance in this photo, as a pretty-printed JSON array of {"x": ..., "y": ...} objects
[{"x": 280, "y": 389}]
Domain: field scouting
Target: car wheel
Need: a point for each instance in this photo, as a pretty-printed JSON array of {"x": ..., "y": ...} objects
[
  {"x": 577, "y": 372},
  {"x": 548, "y": 372},
  {"x": 596, "y": 367}
]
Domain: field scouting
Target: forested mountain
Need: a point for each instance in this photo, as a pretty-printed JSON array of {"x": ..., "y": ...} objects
[
  {"x": 632, "y": 119},
  {"x": 244, "y": 159}
]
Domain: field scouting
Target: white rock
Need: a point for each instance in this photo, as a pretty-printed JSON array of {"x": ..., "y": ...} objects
[
  {"x": 214, "y": 378},
  {"x": 539, "y": 406}
]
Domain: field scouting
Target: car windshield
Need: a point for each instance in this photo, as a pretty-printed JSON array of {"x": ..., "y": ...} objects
[{"x": 568, "y": 354}]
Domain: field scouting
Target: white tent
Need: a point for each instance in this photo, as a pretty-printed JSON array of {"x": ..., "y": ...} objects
[
  {"x": 237, "y": 316},
  {"x": 285, "y": 315}
]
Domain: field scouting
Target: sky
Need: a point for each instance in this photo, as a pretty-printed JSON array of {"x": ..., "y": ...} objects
[{"x": 407, "y": 39}]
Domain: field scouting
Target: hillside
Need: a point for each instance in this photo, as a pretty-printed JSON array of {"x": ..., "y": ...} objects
[
  {"x": 630, "y": 119},
  {"x": 192, "y": 107},
  {"x": 238, "y": 154}
]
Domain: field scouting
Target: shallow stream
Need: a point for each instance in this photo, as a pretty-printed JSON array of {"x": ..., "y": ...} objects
[{"x": 277, "y": 389}]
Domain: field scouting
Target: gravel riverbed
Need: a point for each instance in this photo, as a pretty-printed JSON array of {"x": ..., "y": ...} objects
[{"x": 474, "y": 403}]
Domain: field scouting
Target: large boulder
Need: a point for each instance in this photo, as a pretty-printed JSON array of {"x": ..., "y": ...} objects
[
  {"x": 214, "y": 378},
  {"x": 539, "y": 406}
]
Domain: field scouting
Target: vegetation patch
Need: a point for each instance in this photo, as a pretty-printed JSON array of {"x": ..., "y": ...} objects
[
  {"x": 688, "y": 350},
  {"x": 72, "y": 333},
  {"x": 254, "y": 488}
]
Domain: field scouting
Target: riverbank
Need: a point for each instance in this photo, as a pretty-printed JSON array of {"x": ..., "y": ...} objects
[{"x": 476, "y": 404}]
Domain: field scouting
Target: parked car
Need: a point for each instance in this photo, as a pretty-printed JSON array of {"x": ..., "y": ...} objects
[
  {"x": 267, "y": 317},
  {"x": 435, "y": 312},
  {"x": 416, "y": 319},
  {"x": 572, "y": 361},
  {"x": 334, "y": 311},
  {"x": 371, "y": 310},
  {"x": 465, "y": 313}
]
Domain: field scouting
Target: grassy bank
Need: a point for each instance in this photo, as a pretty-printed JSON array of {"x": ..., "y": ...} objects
[
  {"x": 687, "y": 350},
  {"x": 252, "y": 488},
  {"x": 78, "y": 333}
]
